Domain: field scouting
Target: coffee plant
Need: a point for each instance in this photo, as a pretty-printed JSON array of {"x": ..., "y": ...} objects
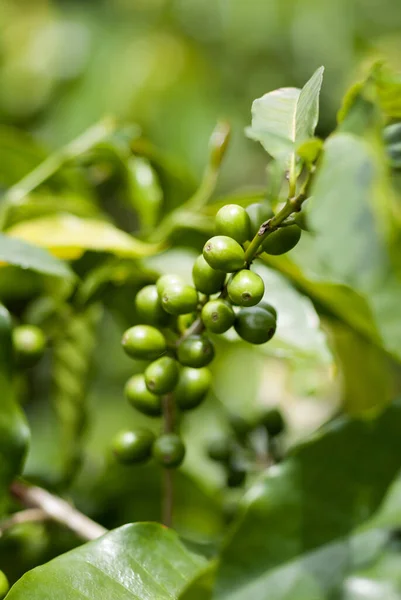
[{"x": 179, "y": 492}]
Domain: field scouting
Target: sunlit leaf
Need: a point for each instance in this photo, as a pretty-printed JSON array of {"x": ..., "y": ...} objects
[
  {"x": 135, "y": 562},
  {"x": 69, "y": 237}
]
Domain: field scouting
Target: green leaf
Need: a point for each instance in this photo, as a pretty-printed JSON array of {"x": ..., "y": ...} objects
[
  {"x": 68, "y": 237},
  {"x": 146, "y": 195},
  {"x": 14, "y": 432},
  {"x": 19, "y": 154},
  {"x": 201, "y": 587},
  {"x": 27, "y": 256},
  {"x": 135, "y": 562},
  {"x": 284, "y": 118},
  {"x": 367, "y": 373},
  {"x": 292, "y": 539}
]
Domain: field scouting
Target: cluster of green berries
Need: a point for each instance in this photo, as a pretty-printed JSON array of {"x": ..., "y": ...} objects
[
  {"x": 235, "y": 451},
  {"x": 178, "y": 320}
]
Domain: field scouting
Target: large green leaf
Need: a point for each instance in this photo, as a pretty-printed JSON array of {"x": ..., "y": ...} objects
[
  {"x": 292, "y": 540},
  {"x": 136, "y": 562},
  {"x": 286, "y": 117},
  {"x": 14, "y": 433},
  {"x": 27, "y": 256},
  {"x": 68, "y": 236}
]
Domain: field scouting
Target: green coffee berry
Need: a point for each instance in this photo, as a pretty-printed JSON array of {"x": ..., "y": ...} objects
[
  {"x": 235, "y": 476},
  {"x": 274, "y": 422},
  {"x": 255, "y": 325},
  {"x": 29, "y": 344},
  {"x": 282, "y": 240},
  {"x": 179, "y": 298},
  {"x": 161, "y": 376},
  {"x": 233, "y": 220},
  {"x": 195, "y": 351},
  {"x": 258, "y": 213},
  {"x": 169, "y": 450},
  {"x": 301, "y": 220},
  {"x": 269, "y": 308},
  {"x": 193, "y": 386},
  {"x": 141, "y": 398},
  {"x": 221, "y": 449},
  {"x": 143, "y": 342},
  {"x": 149, "y": 307},
  {"x": 185, "y": 321},
  {"x": 217, "y": 316},
  {"x": 4, "y": 585},
  {"x": 167, "y": 280},
  {"x": 206, "y": 279},
  {"x": 245, "y": 288},
  {"x": 134, "y": 446},
  {"x": 223, "y": 253}
]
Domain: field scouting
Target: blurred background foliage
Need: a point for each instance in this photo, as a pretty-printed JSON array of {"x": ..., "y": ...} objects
[{"x": 171, "y": 69}]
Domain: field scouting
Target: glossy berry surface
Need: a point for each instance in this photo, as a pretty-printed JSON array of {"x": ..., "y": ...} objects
[
  {"x": 169, "y": 450},
  {"x": 193, "y": 386},
  {"x": 206, "y": 279},
  {"x": 141, "y": 398},
  {"x": 233, "y": 220},
  {"x": 220, "y": 449},
  {"x": 223, "y": 253},
  {"x": 179, "y": 298},
  {"x": 143, "y": 342},
  {"x": 268, "y": 307},
  {"x": 258, "y": 213},
  {"x": 134, "y": 446},
  {"x": 245, "y": 288},
  {"x": 195, "y": 351},
  {"x": 167, "y": 280},
  {"x": 217, "y": 316},
  {"x": 161, "y": 376},
  {"x": 29, "y": 344},
  {"x": 255, "y": 325},
  {"x": 149, "y": 308},
  {"x": 282, "y": 240},
  {"x": 274, "y": 422}
]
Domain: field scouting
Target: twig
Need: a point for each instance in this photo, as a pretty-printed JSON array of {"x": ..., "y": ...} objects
[
  {"x": 30, "y": 515},
  {"x": 57, "y": 509}
]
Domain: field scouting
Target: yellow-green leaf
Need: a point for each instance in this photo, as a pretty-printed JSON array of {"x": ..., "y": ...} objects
[{"x": 68, "y": 237}]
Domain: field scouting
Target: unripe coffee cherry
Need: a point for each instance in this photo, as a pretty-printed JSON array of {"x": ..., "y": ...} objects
[
  {"x": 169, "y": 450},
  {"x": 179, "y": 298},
  {"x": 282, "y": 240},
  {"x": 193, "y": 386},
  {"x": 223, "y": 253},
  {"x": 274, "y": 422},
  {"x": 144, "y": 342},
  {"x": 206, "y": 279},
  {"x": 255, "y": 325},
  {"x": 195, "y": 351},
  {"x": 245, "y": 288},
  {"x": 217, "y": 316},
  {"x": 141, "y": 398},
  {"x": 134, "y": 446},
  {"x": 4, "y": 585},
  {"x": 233, "y": 220},
  {"x": 221, "y": 449},
  {"x": 185, "y": 321},
  {"x": 269, "y": 308},
  {"x": 161, "y": 376},
  {"x": 167, "y": 280},
  {"x": 258, "y": 213},
  {"x": 149, "y": 307},
  {"x": 29, "y": 344}
]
